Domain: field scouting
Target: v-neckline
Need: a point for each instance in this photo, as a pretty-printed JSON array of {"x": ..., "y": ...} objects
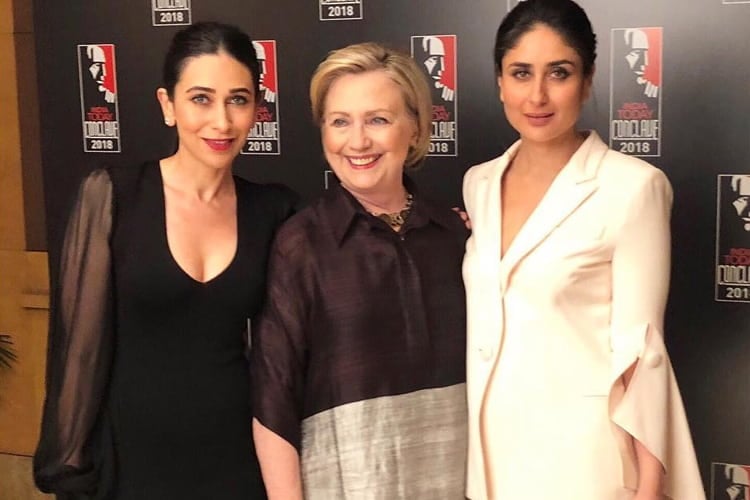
[
  {"x": 530, "y": 215},
  {"x": 572, "y": 174},
  {"x": 165, "y": 234}
]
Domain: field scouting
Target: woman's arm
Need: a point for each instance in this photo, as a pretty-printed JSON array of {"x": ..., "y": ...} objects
[
  {"x": 650, "y": 469},
  {"x": 80, "y": 345},
  {"x": 278, "y": 359},
  {"x": 640, "y": 283},
  {"x": 279, "y": 463}
]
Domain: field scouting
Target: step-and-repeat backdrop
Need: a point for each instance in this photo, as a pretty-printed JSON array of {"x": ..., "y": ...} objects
[{"x": 672, "y": 86}]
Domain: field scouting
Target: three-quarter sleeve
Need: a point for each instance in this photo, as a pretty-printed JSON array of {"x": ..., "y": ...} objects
[
  {"x": 80, "y": 346},
  {"x": 279, "y": 347},
  {"x": 650, "y": 408}
]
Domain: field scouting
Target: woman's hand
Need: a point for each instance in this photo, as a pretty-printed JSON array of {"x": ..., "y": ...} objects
[
  {"x": 628, "y": 494},
  {"x": 464, "y": 217}
]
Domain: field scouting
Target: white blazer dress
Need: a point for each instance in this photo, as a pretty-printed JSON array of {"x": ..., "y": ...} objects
[{"x": 578, "y": 297}]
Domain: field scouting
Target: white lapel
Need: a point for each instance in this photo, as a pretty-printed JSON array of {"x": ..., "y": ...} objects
[
  {"x": 572, "y": 186},
  {"x": 487, "y": 220}
]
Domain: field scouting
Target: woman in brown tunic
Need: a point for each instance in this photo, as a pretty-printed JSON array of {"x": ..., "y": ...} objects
[{"x": 359, "y": 353}]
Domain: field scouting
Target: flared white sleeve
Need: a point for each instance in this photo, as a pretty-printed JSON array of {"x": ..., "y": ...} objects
[{"x": 650, "y": 408}]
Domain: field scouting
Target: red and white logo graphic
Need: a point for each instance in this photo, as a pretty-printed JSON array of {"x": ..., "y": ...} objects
[
  {"x": 730, "y": 482},
  {"x": 644, "y": 57},
  {"x": 436, "y": 55},
  {"x": 97, "y": 77},
  {"x": 264, "y": 138},
  {"x": 265, "y": 50}
]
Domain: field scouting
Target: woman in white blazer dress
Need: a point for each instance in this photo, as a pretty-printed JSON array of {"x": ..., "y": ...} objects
[{"x": 571, "y": 392}]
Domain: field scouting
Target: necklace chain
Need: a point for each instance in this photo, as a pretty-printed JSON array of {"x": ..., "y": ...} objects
[{"x": 397, "y": 219}]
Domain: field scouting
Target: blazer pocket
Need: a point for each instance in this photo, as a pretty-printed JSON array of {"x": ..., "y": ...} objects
[{"x": 576, "y": 240}]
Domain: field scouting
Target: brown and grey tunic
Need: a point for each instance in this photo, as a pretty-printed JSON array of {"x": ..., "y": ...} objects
[{"x": 359, "y": 354}]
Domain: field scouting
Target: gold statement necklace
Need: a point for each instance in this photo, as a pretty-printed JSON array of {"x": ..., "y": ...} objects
[{"x": 397, "y": 219}]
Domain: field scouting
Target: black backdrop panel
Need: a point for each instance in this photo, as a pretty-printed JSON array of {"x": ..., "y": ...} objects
[{"x": 703, "y": 106}]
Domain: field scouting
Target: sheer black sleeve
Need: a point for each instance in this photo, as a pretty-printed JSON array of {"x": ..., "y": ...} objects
[
  {"x": 279, "y": 342},
  {"x": 80, "y": 346}
]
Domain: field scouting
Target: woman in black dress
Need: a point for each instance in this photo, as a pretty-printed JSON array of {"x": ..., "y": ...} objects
[{"x": 148, "y": 389}]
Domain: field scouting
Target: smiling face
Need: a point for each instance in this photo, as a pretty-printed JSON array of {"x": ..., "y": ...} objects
[
  {"x": 366, "y": 132},
  {"x": 213, "y": 108},
  {"x": 542, "y": 86}
]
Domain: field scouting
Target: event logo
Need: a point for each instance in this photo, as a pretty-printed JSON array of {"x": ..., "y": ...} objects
[
  {"x": 436, "y": 55},
  {"x": 170, "y": 12},
  {"x": 340, "y": 10},
  {"x": 733, "y": 238},
  {"x": 730, "y": 481},
  {"x": 264, "y": 137},
  {"x": 97, "y": 78},
  {"x": 636, "y": 91}
]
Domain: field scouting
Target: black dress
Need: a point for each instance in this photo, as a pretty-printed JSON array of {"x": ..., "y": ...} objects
[{"x": 148, "y": 386}]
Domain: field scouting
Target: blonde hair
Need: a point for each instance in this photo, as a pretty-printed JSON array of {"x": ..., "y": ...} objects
[{"x": 402, "y": 69}]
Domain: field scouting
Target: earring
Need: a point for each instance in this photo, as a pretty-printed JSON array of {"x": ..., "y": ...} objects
[{"x": 168, "y": 122}]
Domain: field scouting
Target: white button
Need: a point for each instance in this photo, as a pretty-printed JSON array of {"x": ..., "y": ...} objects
[
  {"x": 653, "y": 359},
  {"x": 485, "y": 353}
]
